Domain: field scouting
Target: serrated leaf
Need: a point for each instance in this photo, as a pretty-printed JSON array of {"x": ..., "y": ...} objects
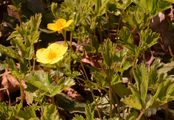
[
  {"x": 50, "y": 112},
  {"x": 9, "y": 52},
  {"x": 132, "y": 102},
  {"x": 39, "y": 79},
  {"x": 164, "y": 94},
  {"x": 28, "y": 113},
  {"x": 25, "y": 36},
  {"x": 89, "y": 112},
  {"x": 142, "y": 81},
  {"x": 101, "y": 7},
  {"x": 127, "y": 39},
  {"x": 78, "y": 117},
  {"x": 148, "y": 39}
]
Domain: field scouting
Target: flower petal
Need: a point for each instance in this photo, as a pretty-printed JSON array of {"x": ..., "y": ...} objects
[
  {"x": 52, "y": 26},
  {"x": 69, "y": 22},
  {"x": 52, "y": 54},
  {"x": 61, "y": 21},
  {"x": 61, "y": 48},
  {"x": 40, "y": 55}
]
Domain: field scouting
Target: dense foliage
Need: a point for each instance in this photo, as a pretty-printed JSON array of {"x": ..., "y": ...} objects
[{"x": 86, "y": 59}]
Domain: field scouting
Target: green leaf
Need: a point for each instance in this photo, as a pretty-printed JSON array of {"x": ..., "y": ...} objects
[
  {"x": 9, "y": 112},
  {"x": 25, "y": 36},
  {"x": 135, "y": 18},
  {"x": 148, "y": 38},
  {"x": 28, "y": 113},
  {"x": 132, "y": 102},
  {"x": 163, "y": 95},
  {"x": 101, "y": 7},
  {"x": 171, "y": 1},
  {"x": 123, "y": 4},
  {"x": 121, "y": 90},
  {"x": 126, "y": 39},
  {"x": 78, "y": 117},
  {"x": 54, "y": 9},
  {"x": 50, "y": 112},
  {"x": 149, "y": 6},
  {"x": 89, "y": 112},
  {"x": 29, "y": 97},
  {"x": 142, "y": 81},
  {"x": 42, "y": 81},
  {"x": 9, "y": 52},
  {"x": 39, "y": 79},
  {"x": 107, "y": 52},
  {"x": 166, "y": 67},
  {"x": 100, "y": 78}
]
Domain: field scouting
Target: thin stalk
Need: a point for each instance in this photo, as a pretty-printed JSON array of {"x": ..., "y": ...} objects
[
  {"x": 91, "y": 91},
  {"x": 21, "y": 92},
  {"x": 34, "y": 63},
  {"x": 111, "y": 102},
  {"x": 98, "y": 111},
  {"x": 110, "y": 92},
  {"x": 84, "y": 71},
  {"x": 71, "y": 34},
  {"x": 140, "y": 115},
  {"x": 64, "y": 35}
]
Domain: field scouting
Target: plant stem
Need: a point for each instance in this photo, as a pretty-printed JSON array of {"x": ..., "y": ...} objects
[
  {"x": 110, "y": 91},
  {"x": 140, "y": 115},
  {"x": 98, "y": 111},
  {"x": 71, "y": 34},
  {"x": 64, "y": 35},
  {"x": 21, "y": 92},
  {"x": 110, "y": 98},
  {"x": 93, "y": 97},
  {"x": 34, "y": 63}
]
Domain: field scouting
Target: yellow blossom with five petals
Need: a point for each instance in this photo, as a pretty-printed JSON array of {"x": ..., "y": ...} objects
[
  {"x": 59, "y": 25},
  {"x": 52, "y": 54}
]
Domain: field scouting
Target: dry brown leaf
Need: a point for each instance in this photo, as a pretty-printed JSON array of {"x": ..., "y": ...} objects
[
  {"x": 91, "y": 60},
  {"x": 10, "y": 82},
  {"x": 13, "y": 12},
  {"x": 73, "y": 94}
]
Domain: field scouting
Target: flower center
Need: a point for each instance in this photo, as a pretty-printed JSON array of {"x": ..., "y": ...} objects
[{"x": 51, "y": 55}]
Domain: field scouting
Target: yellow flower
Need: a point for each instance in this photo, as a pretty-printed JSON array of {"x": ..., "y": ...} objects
[
  {"x": 59, "y": 25},
  {"x": 52, "y": 54}
]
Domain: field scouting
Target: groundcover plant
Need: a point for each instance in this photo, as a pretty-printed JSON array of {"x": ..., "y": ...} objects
[{"x": 86, "y": 60}]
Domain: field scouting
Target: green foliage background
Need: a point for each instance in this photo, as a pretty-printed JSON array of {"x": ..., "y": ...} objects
[{"x": 114, "y": 34}]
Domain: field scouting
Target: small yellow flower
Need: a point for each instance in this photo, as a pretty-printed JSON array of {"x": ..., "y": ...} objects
[
  {"x": 59, "y": 25},
  {"x": 52, "y": 54}
]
